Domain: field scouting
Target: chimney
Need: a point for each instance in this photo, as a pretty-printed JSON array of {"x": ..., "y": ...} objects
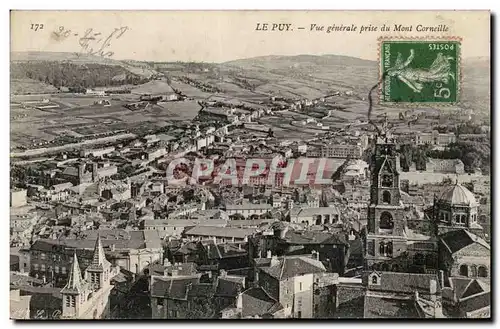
[
  {"x": 274, "y": 261},
  {"x": 416, "y": 296},
  {"x": 283, "y": 232},
  {"x": 239, "y": 246},
  {"x": 433, "y": 290},
  {"x": 441, "y": 278},
  {"x": 222, "y": 273},
  {"x": 269, "y": 254},
  {"x": 239, "y": 302}
]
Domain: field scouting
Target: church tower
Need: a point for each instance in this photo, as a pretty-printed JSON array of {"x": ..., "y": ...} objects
[
  {"x": 385, "y": 238},
  {"x": 98, "y": 271},
  {"x": 74, "y": 293}
]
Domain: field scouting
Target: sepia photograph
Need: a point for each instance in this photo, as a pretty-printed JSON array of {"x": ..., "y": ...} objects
[{"x": 194, "y": 165}]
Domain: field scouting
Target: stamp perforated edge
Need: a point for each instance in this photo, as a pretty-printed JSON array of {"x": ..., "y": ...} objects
[{"x": 426, "y": 39}]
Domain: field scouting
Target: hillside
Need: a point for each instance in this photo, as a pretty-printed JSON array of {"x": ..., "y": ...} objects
[{"x": 72, "y": 70}]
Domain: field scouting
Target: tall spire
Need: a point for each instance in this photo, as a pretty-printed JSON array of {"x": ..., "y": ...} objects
[
  {"x": 75, "y": 281},
  {"x": 99, "y": 258}
]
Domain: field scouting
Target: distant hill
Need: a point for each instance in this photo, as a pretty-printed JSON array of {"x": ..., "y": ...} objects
[
  {"x": 305, "y": 60},
  {"x": 71, "y": 69},
  {"x": 358, "y": 74}
]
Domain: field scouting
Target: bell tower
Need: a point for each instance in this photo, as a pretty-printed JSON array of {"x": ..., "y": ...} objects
[
  {"x": 385, "y": 238},
  {"x": 74, "y": 293}
]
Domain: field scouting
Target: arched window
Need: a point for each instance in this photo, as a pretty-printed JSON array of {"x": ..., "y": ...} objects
[
  {"x": 386, "y": 180},
  {"x": 374, "y": 279},
  {"x": 386, "y": 221},
  {"x": 464, "y": 270},
  {"x": 483, "y": 271},
  {"x": 473, "y": 271},
  {"x": 385, "y": 267},
  {"x": 386, "y": 197},
  {"x": 385, "y": 248}
]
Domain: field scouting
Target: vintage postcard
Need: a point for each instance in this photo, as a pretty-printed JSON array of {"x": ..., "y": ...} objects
[{"x": 250, "y": 165}]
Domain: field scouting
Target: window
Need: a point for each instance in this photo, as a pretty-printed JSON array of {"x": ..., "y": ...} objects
[
  {"x": 160, "y": 301},
  {"x": 35, "y": 267},
  {"x": 57, "y": 269},
  {"x": 441, "y": 217},
  {"x": 68, "y": 301},
  {"x": 385, "y": 248},
  {"x": 42, "y": 267},
  {"x": 43, "y": 256},
  {"x": 386, "y": 197},
  {"x": 464, "y": 270},
  {"x": 386, "y": 221},
  {"x": 483, "y": 271},
  {"x": 318, "y": 220},
  {"x": 63, "y": 270},
  {"x": 473, "y": 271},
  {"x": 299, "y": 314},
  {"x": 386, "y": 180},
  {"x": 316, "y": 308},
  {"x": 374, "y": 279},
  {"x": 300, "y": 286}
]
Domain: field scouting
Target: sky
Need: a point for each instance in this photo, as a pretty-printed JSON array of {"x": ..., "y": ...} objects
[{"x": 219, "y": 36}]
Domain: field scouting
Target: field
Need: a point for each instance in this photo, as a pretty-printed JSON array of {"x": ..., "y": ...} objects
[{"x": 249, "y": 81}]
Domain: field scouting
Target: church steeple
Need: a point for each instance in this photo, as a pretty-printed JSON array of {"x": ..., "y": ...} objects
[
  {"x": 98, "y": 271},
  {"x": 99, "y": 258},
  {"x": 75, "y": 281}
]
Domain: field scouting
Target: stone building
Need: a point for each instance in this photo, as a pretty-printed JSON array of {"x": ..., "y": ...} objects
[{"x": 87, "y": 296}]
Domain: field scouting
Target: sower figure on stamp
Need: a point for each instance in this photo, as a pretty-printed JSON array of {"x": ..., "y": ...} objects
[{"x": 439, "y": 71}]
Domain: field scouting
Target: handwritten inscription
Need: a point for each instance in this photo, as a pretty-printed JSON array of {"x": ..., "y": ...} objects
[{"x": 91, "y": 42}]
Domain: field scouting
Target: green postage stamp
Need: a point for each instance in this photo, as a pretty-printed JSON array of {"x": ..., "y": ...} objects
[{"x": 418, "y": 71}]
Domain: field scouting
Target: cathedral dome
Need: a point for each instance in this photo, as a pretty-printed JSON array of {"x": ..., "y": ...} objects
[{"x": 458, "y": 195}]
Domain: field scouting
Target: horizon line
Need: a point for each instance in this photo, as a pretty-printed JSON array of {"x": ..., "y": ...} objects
[{"x": 232, "y": 60}]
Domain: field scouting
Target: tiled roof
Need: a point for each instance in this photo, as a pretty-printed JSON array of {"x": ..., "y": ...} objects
[
  {"x": 172, "y": 287},
  {"x": 218, "y": 251},
  {"x": 378, "y": 307},
  {"x": 402, "y": 282},
  {"x": 228, "y": 287},
  {"x": 255, "y": 301},
  {"x": 292, "y": 266},
  {"x": 120, "y": 238},
  {"x": 226, "y": 232},
  {"x": 475, "y": 302},
  {"x": 311, "y": 237},
  {"x": 459, "y": 239},
  {"x": 308, "y": 212}
]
